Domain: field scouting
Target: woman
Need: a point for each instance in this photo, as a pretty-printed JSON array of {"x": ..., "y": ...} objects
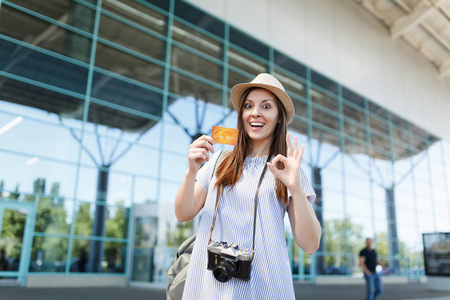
[{"x": 264, "y": 110}]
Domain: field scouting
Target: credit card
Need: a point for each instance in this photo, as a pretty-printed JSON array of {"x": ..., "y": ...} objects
[{"x": 224, "y": 135}]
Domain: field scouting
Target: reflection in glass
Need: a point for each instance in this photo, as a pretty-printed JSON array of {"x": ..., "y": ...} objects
[
  {"x": 196, "y": 65},
  {"x": 49, "y": 253},
  {"x": 117, "y": 222},
  {"x": 246, "y": 63},
  {"x": 144, "y": 246},
  {"x": 114, "y": 257},
  {"x": 184, "y": 86},
  {"x": 83, "y": 219},
  {"x": 134, "y": 39},
  {"x": 45, "y": 35},
  {"x": 135, "y": 12},
  {"x": 127, "y": 65},
  {"x": 196, "y": 40},
  {"x": 52, "y": 214},
  {"x": 80, "y": 256},
  {"x": 11, "y": 236},
  {"x": 291, "y": 85}
]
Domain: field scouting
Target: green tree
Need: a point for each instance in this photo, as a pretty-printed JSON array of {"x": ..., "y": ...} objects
[
  {"x": 341, "y": 234},
  {"x": 51, "y": 218},
  {"x": 181, "y": 232},
  {"x": 12, "y": 232}
]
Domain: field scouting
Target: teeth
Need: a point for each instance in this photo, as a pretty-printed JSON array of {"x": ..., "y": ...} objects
[{"x": 253, "y": 124}]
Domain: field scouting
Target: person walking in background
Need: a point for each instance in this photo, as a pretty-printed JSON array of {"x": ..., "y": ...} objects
[
  {"x": 368, "y": 261},
  {"x": 264, "y": 110},
  {"x": 3, "y": 261}
]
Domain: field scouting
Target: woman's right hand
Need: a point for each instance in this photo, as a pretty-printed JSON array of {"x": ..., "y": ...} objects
[{"x": 199, "y": 152}]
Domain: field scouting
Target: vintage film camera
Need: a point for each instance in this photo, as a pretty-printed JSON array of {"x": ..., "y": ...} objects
[{"x": 227, "y": 261}]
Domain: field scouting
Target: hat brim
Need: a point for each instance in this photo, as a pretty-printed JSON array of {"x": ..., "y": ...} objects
[{"x": 239, "y": 89}]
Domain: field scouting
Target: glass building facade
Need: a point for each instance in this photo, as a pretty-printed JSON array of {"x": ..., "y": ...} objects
[{"x": 99, "y": 100}]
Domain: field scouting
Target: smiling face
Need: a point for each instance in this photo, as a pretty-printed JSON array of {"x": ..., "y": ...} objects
[{"x": 260, "y": 117}]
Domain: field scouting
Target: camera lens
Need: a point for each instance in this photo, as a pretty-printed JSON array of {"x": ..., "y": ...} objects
[{"x": 224, "y": 270}]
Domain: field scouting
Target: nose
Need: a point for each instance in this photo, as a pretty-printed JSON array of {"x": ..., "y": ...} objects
[{"x": 256, "y": 112}]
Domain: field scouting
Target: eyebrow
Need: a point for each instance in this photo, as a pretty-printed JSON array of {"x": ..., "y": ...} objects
[{"x": 265, "y": 100}]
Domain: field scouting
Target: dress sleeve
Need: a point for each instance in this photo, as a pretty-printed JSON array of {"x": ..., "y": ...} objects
[
  {"x": 306, "y": 186},
  {"x": 205, "y": 173}
]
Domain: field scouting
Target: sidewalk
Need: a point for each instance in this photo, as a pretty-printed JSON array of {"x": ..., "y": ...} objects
[{"x": 410, "y": 291}]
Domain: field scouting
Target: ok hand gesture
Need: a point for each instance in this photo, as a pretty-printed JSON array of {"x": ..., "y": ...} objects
[{"x": 290, "y": 175}]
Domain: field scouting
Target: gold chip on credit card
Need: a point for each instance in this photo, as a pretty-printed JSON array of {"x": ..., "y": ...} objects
[{"x": 224, "y": 135}]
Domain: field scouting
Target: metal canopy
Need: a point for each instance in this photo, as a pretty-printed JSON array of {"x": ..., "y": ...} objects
[{"x": 424, "y": 24}]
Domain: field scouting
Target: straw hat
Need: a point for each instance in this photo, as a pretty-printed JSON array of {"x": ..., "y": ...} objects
[{"x": 270, "y": 83}]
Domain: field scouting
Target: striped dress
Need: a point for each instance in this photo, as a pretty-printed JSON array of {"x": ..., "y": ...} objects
[{"x": 270, "y": 276}]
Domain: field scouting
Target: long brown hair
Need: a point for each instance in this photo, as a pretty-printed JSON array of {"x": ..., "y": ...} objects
[{"x": 230, "y": 170}]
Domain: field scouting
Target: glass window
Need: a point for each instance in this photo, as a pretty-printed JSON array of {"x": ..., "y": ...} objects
[
  {"x": 352, "y": 99},
  {"x": 325, "y": 145},
  {"x": 354, "y": 112},
  {"x": 113, "y": 258},
  {"x": 293, "y": 86},
  {"x": 358, "y": 206},
  {"x": 53, "y": 213},
  {"x": 145, "y": 190},
  {"x": 245, "y": 62},
  {"x": 196, "y": 40},
  {"x": 117, "y": 222},
  {"x": 49, "y": 254},
  {"x": 300, "y": 127},
  {"x": 13, "y": 227},
  {"x": 38, "y": 138},
  {"x": 322, "y": 99},
  {"x": 357, "y": 157},
  {"x": 323, "y": 82},
  {"x": 127, "y": 65},
  {"x": 289, "y": 64},
  {"x": 248, "y": 43},
  {"x": 134, "y": 11},
  {"x": 28, "y": 63},
  {"x": 146, "y": 229},
  {"x": 116, "y": 179},
  {"x": 325, "y": 119},
  {"x": 195, "y": 64},
  {"x": 33, "y": 174},
  {"x": 83, "y": 222},
  {"x": 199, "y": 18},
  {"x": 40, "y": 33},
  {"x": 379, "y": 128},
  {"x": 119, "y": 188},
  {"x": 175, "y": 137},
  {"x": 123, "y": 94},
  {"x": 174, "y": 166},
  {"x": 163, "y": 4},
  {"x": 168, "y": 191},
  {"x": 233, "y": 79},
  {"x": 407, "y": 226},
  {"x": 43, "y": 100},
  {"x": 426, "y": 221},
  {"x": 185, "y": 87},
  {"x": 332, "y": 201},
  {"x": 80, "y": 256}
]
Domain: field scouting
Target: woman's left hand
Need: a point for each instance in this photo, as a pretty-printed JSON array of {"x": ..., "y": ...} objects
[{"x": 290, "y": 175}]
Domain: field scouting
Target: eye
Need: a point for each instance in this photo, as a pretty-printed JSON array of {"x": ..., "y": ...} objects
[
  {"x": 267, "y": 106},
  {"x": 247, "y": 105}
]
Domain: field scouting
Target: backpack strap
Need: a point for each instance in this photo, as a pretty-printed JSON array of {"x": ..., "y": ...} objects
[{"x": 219, "y": 160}]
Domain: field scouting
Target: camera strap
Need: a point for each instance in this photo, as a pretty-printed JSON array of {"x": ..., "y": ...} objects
[{"x": 219, "y": 197}]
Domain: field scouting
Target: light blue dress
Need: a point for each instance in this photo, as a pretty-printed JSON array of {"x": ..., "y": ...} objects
[{"x": 270, "y": 276}]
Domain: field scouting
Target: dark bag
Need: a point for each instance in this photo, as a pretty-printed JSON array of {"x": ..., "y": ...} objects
[{"x": 176, "y": 276}]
